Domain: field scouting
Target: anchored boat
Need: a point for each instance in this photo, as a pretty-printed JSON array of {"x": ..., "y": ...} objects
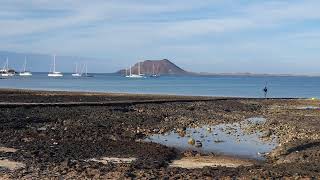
[
  {"x": 24, "y": 72},
  {"x": 137, "y": 76},
  {"x": 54, "y": 73},
  {"x": 6, "y": 71},
  {"x": 77, "y": 73},
  {"x": 154, "y": 75}
]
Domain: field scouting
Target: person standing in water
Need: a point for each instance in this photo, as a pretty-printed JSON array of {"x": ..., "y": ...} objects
[{"x": 265, "y": 90}]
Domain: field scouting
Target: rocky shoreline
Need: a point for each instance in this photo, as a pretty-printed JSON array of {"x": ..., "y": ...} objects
[{"x": 79, "y": 141}]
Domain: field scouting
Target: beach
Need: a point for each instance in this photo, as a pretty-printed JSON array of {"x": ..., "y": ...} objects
[{"x": 79, "y": 135}]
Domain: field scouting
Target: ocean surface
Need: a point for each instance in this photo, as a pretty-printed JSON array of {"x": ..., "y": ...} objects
[{"x": 236, "y": 86}]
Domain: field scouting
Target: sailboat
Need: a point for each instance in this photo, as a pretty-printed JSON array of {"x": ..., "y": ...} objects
[
  {"x": 139, "y": 71},
  {"x": 154, "y": 75},
  {"x": 86, "y": 72},
  {"x": 77, "y": 73},
  {"x": 54, "y": 73},
  {"x": 25, "y": 73},
  {"x": 5, "y": 71},
  {"x": 139, "y": 75}
]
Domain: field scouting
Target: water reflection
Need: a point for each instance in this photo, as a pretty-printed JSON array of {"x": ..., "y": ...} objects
[{"x": 227, "y": 139}]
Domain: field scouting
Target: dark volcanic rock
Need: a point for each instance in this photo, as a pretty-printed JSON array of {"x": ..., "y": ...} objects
[{"x": 60, "y": 141}]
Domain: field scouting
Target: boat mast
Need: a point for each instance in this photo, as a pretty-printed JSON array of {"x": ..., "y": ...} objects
[
  {"x": 152, "y": 68},
  {"x": 86, "y": 70},
  {"x": 25, "y": 64},
  {"x": 76, "y": 68},
  {"x": 4, "y": 66},
  {"x": 54, "y": 63},
  {"x": 139, "y": 69},
  {"x": 7, "y": 64}
]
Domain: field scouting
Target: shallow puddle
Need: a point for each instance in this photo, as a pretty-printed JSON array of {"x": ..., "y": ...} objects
[
  {"x": 308, "y": 107},
  {"x": 226, "y": 139}
]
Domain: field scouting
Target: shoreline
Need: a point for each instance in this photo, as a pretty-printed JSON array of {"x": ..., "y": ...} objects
[{"x": 93, "y": 93}]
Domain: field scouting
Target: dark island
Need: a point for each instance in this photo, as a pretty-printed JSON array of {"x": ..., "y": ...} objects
[{"x": 162, "y": 67}]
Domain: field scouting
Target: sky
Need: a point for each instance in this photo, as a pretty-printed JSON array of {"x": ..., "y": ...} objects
[{"x": 274, "y": 36}]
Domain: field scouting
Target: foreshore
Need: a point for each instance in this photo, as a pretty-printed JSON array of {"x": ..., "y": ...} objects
[{"x": 75, "y": 134}]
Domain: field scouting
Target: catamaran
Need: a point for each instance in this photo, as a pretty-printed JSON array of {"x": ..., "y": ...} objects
[
  {"x": 5, "y": 71},
  {"x": 24, "y": 72},
  {"x": 139, "y": 75},
  {"x": 77, "y": 73},
  {"x": 54, "y": 73}
]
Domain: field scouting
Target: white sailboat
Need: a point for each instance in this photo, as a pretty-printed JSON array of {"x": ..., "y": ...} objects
[
  {"x": 139, "y": 71},
  {"x": 77, "y": 73},
  {"x": 154, "y": 75},
  {"x": 139, "y": 75},
  {"x": 86, "y": 72},
  {"x": 5, "y": 71},
  {"x": 54, "y": 73},
  {"x": 24, "y": 72}
]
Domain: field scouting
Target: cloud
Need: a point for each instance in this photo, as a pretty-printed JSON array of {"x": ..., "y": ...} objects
[
  {"x": 38, "y": 16},
  {"x": 44, "y": 16},
  {"x": 227, "y": 29}
]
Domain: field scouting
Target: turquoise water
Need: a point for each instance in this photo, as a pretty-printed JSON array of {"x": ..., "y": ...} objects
[{"x": 240, "y": 86}]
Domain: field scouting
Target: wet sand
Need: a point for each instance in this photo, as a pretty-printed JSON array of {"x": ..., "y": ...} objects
[{"x": 81, "y": 140}]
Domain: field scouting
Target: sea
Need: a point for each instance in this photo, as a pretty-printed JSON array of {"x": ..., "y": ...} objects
[{"x": 230, "y": 86}]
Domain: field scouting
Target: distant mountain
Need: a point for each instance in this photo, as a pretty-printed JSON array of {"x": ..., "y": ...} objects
[{"x": 156, "y": 66}]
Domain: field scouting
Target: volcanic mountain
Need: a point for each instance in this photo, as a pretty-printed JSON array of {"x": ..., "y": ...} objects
[{"x": 156, "y": 67}]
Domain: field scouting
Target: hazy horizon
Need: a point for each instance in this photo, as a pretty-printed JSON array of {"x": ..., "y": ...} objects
[{"x": 276, "y": 37}]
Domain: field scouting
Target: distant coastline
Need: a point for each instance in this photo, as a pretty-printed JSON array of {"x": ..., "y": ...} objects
[
  {"x": 162, "y": 67},
  {"x": 214, "y": 74},
  {"x": 256, "y": 74}
]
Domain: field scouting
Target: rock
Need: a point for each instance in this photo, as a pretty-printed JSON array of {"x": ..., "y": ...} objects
[
  {"x": 27, "y": 139},
  {"x": 113, "y": 137},
  {"x": 218, "y": 141},
  {"x": 182, "y": 133},
  {"x": 191, "y": 153},
  {"x": 191, "y": 141},
  {"x": 198, "y": 144},
  {"x": 139, "y": 135},
  {"x": 42, "y": 128},
  {"x": 267, "y": 133},
  {"x": 156, "y": 130}
]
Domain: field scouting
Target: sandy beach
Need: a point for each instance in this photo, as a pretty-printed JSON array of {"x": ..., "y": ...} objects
[{"x": 52, "y": 135}]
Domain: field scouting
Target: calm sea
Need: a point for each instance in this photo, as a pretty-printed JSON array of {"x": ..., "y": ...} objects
[{"x": 240, "y": 86}]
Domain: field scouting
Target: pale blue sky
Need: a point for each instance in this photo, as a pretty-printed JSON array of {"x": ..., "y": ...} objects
[{"x": 199, "y": 35}]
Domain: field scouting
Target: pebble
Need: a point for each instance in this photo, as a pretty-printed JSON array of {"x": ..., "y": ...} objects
[
  {"x": 198, "y": 144},
  {"x": 42, "y": 128},
  {"x": 267, "y": 133},
  {"x": 191, "y": 141}
]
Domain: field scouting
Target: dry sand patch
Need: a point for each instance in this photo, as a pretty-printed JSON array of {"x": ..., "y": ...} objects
[{"x": 211, "y": 161}]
